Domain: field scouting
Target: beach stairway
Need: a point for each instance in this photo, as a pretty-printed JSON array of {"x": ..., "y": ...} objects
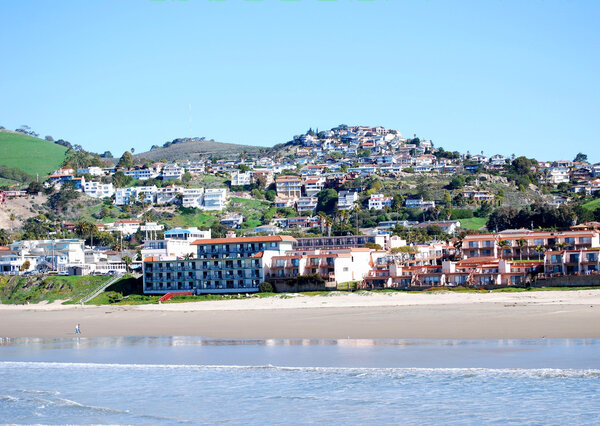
[
  {"x": 169, "y": 296},
  {"x": 100, "y": 289}
]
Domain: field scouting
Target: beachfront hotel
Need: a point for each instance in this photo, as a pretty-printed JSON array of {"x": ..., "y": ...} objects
[{"x": 221, "y": 265}]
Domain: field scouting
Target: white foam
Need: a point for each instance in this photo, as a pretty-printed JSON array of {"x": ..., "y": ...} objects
[{"x": 360, "y": 372}]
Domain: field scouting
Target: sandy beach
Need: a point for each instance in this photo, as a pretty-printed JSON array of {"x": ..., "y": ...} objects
[{"x": 440, "y": 315}]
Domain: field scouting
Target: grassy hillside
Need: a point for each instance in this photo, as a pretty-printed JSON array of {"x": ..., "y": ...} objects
[
  {"x": 193, "y": 150},
  {"x": 31, "y": 155},
  {"x": 34, "y": 289}
]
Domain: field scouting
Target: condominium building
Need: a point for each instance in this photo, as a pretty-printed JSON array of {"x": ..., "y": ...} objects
[
  {"x": 172, "y": 171},
  {"x": 141, "y": 174},
  {"x": 525, "y": 244},
  {"x": 569, "y": 262},
  {"x": 222, "y": 265}
]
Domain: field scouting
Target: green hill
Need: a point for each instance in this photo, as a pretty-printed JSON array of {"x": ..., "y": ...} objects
[{"x": 29, "y": 154}]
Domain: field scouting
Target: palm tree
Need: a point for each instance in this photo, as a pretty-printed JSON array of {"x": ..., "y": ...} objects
[
  {"x": 540, "y": 249},
  {"x": 127, "y": 260},
  {"x": 503, "y": 244},
  {"x": 357, "y": 208},
  {"x": 521, "y": 242},
  {"x": 322, "y": 221}
]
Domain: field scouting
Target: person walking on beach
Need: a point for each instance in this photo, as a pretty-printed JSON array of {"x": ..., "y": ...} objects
[{"x": 77, "y": 329}]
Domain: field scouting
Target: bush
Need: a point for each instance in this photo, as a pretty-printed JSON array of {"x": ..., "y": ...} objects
[{"x": 265, "y": 287}]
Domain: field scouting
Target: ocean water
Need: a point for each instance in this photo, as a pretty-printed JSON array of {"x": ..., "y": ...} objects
[{"x": 174, "y": 380}]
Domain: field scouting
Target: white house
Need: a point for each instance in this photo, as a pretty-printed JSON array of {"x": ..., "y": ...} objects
[
  {"x": 98, "y": 190},
  {"x": 346, "y": 199},
  {"x": 380, "y": 202}
]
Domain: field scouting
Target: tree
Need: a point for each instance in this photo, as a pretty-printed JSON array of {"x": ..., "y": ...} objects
[
  {"x": 580, "y": 158},
  {"x": 327, "y": 199},
  {"x": 127, "y": 260},
  {"x": 25, "y": 266},
  {"x": 4, "y": 238},
  {"x": 540, "y": 250},
  {"x": 126, "y": 160},
  {"x": 503, "y": 244},
  {"x": 120, "y": 180},
  {"x": 521, "y": 242},
  {"x": 107, "y": 154},
  {"x": 49, "y": 138},
  {"x": 35, "y": 188}
]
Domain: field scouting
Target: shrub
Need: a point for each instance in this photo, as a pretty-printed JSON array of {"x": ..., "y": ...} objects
[{"x": 265, "y": 287}]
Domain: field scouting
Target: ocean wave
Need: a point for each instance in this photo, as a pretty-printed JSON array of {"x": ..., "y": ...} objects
[
  {"x": 8, "y": 398},
  {"x": 357, "y": 372}
]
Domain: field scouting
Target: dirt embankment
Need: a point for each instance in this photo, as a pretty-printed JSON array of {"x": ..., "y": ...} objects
[{"x": 15, "y": 211}]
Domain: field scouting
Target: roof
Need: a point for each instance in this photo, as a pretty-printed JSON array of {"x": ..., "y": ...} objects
[
  {"x": 150, "y": 259},
  {"x": 240, "y": 240}
]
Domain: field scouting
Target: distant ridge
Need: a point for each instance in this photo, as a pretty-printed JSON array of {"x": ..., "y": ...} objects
[{"x": 193, "y": 150}]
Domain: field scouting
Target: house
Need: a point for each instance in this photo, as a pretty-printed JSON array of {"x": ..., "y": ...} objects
[
  {"x": 141, "y": 174},
  {"x": 289, "y": 186},
  {"x": 233, "y": 220},
  {"x": 241, "y": 178},
  {"x": 347, "y": 199},
  {"x": 98, "y": 190},
  {"x": 124, "y": 196},
  {"x": 307, "y": 204},
  {"x": 172, "y": 171},
  {"x": 380, "y": 202},
  {"x": 93, "y": 171},
  {"x": 418, "y": 203},
  {"x": 313, "y": 185},
  {"x": 214, "y": 199}
]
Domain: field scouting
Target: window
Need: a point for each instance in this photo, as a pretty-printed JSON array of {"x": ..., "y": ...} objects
[{"x": 591, "y": 257}]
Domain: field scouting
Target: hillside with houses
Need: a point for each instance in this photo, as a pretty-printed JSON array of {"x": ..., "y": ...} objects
[{"x": 404, "y": 200}]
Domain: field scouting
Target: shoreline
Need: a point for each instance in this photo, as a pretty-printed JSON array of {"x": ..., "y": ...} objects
[{"x": 551, "y": 314}]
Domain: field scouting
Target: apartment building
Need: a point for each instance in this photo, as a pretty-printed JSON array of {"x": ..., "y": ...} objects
[
  {"x": 419, "y": 203},
  {"x": 289, "y": 187},
  {"x": 524, "y": 244},
  {"x": 177, "y": 243},
  {"x": 222, "y": 265}
]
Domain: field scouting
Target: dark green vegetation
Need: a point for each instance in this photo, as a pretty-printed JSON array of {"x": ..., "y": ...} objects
[
  {"x": 34, "y": 288},
  {"x": 30, "y": 155}
]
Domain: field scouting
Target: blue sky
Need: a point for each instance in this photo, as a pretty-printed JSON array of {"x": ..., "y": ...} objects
[{"x": 499, "y": 76}]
